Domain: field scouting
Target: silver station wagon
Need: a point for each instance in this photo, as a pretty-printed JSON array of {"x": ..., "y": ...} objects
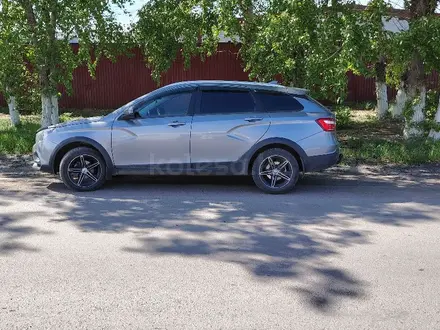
[{"x": 268, "y": 131}]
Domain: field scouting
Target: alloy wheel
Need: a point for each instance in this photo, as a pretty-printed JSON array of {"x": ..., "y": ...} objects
[
  {"x": 84, "y": 171},
  {"x": 275, "y": 171}
]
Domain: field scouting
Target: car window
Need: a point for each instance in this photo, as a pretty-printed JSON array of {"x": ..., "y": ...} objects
[
  {"x": 167, "y": 106},
  {"x": 224, "y": 102},
  {"x": 279, "y": 102}
]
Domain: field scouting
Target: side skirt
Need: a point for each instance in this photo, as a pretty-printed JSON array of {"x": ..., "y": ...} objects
[{"x": 226, "y": 168}]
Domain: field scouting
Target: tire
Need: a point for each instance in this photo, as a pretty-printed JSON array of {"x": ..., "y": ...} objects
[
  {"x": 72, "y": 169},
  {"x": 275, "y": 171}
]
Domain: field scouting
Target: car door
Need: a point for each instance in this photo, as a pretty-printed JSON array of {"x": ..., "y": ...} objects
[
  {"x": 159, "y": 135},
  {"x": 225, "y": 126}
]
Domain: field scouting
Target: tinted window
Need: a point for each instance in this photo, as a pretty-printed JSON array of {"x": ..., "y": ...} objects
[
  {"x": 170, "y": 105},
  {"x": 226, "y": 102},
  {"x": 279, "y": 102}
]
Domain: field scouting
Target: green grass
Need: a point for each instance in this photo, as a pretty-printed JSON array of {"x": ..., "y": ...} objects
[
  {"x": 381, "y": 151},
  {"x": 18, "y": 140},
  {"x": 372, "y": 141}
]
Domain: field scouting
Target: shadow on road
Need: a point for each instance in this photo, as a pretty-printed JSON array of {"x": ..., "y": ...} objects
[
  {"x": 12, "y": 233},
  {"x": 228, "y": 220}
]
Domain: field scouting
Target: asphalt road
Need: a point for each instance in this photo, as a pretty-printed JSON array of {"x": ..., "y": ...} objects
[{"x": 341, "y": 252}]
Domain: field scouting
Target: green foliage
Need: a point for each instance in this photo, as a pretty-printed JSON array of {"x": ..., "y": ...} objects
[
  {"x": 15, "y": 77},
  {"x": 68, "y": 116},
  {"x": 408, "y": 110},
  {"x": 46, "y": 27},
  {"x": 18, "y": 140},
  {"x": 369, "y": 105},
  {"x": 306, "y": 43},
  {"x": 343, "y": 117},
  {"x": 432, "y": 102},
  {"x": 372, "y": 43},
  {"x": 380, "y": 151},
  {"x": 167, "y": 28},
  {"x": 420, "y": 42}
]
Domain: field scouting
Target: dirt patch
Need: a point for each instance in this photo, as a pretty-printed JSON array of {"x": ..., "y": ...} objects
[
  {"x": 365, "y": 126},
  {"x": 18, "y": 166}
]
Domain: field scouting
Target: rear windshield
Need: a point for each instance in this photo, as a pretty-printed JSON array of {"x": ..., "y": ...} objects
[
  {"x": 307, "y": 97},
  {"x": 273, "y": 102}
]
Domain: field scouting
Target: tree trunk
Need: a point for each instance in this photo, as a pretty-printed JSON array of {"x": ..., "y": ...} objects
[
  {"x": 412, "y": 128},
  {"x": 436, "y": 134},
  {"x": 416, "y": 88},
  {"x": 55, "y": 110},
  {"x": 381, "y": 89},
  {"x": 401, "y": 98},
  {"x": 382, "y": 99},
  {"x": 49, "y": 101},
  {"x": 13, "y": 111},
  {"x": 416, "y": 91},
  {"x": 49, "y": 114}
]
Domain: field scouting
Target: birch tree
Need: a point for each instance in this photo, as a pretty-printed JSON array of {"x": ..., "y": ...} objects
[
  {"x": 434, "y": 132},
  {"x": 374, "y": 50},
  {"x": 415, "y": 52},
  {"x": 50, "y": 25},
  {"x": 14, "y": 75}
]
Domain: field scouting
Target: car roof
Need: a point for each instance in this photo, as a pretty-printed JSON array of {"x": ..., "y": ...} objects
[{"x": 273, "y": 87}]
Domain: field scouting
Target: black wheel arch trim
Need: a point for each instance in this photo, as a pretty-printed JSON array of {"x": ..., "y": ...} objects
[
  {"x": 85, "y": 140},
  {"x": 249, "y": 155}
]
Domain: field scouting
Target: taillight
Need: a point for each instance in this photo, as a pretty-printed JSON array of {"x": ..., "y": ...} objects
[{"x": 327, "y": 124}]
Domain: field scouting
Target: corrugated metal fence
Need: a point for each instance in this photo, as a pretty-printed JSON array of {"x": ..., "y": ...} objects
[{"x": 118, "y": 83}]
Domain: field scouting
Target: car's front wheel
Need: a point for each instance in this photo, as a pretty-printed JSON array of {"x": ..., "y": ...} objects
[
  {"x": 275, "y": 171},
  {"x": 83, "y": 169}
]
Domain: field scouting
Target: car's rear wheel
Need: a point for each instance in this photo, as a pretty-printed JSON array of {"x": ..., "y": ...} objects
[
  {"x": 83, "y": 169},
  {"x": 275, "y": 171}
]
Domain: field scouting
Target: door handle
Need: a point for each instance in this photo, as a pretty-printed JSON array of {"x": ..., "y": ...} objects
[
  {"x": 253, "y": 119},
  {"x": 176, "y": 124}
]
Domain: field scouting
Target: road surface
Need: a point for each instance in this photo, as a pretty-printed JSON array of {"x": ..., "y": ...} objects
[{"x": 343, "y": 251}]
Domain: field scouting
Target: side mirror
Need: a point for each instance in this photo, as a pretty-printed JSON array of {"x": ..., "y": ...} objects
[{"x": 129, "y": 114}]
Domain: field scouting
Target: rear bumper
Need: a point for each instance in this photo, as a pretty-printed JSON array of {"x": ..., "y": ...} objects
[{"x": 321, "y": 162}]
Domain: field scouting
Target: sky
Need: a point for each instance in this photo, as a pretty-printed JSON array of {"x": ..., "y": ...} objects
[
  {"x": 132, "y": 10},
  {"x": 137, "y": 4}
]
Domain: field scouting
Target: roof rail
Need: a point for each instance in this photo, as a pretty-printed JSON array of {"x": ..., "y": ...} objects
[{"x": 295, "y": 90}]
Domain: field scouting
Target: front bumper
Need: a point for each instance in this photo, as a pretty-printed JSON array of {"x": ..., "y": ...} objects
[{"x": 38, "y": 162}]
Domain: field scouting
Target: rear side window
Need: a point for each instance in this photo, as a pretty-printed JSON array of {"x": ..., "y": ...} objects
[
  {"x": 225, "y": 102},
  {"x": 279, "y": 102}
]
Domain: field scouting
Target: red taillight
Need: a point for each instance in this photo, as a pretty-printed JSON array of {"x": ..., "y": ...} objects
[{"x": 327, "y": 124}]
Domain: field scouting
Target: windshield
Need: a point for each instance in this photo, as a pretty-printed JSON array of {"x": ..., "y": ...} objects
[{"x": 131, "y": 104}]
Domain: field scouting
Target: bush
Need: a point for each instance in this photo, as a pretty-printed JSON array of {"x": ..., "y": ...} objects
[{"x": 343, "y": 117}]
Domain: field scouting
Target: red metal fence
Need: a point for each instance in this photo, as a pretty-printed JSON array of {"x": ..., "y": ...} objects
[{"x": 118, "y": 83}]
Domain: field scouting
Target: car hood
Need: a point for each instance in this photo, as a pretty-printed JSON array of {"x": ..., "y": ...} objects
[{"x": 83, "y": 121}]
